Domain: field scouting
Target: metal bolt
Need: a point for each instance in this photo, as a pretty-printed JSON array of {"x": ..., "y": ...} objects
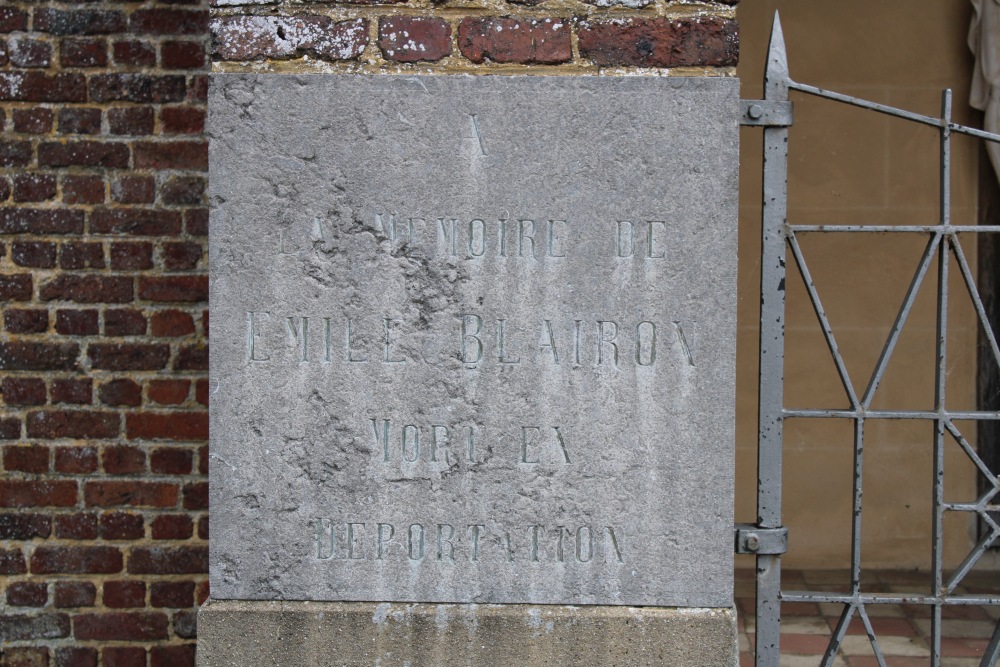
[
  {"x": 753, "y": 542},
  {"x": 755, "y": 111}
]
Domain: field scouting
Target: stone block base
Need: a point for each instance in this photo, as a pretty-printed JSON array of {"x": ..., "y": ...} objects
[{"x": 352, "y": 634}]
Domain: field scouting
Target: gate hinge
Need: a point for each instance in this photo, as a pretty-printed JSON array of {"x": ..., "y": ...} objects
[
  {"x": 765, "y": 113},
  {"x": 760, "y": 541}
]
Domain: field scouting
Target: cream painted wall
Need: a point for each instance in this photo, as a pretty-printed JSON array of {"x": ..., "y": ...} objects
[{"x": 854, "y": 166}]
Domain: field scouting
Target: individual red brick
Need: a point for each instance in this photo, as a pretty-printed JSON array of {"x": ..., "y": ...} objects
[
  {"x": 201, "y": 392},
  {"x": 121, "y": 392},
  {"x": 78, "y": 22},
  {"x": 37, "y": 120},
  {"x": 191, "y": 155},
  {"x": 23, "y": 391},
  {"x": 77, "y": 322},
  {"x": 182, "y": 55},
  {"x": 172, "y": 527},
  {"x": 198, "y": 88},
  {"x": 15, "y": 287},
  {"x": 26, "y": 320},
  {"x": 76, "y": 560},
  {"x": 660, "y": 42},
  {"x": 134, "y": 121},
  {"x": 132, "y": 256},
  {"x": 25, "y": 493},
  {"x": 12, "y": 19},
  {"x": 128, "y": 593},
  {"x": 37, "y": 254},
  {"x": 34, "y": 188},
  {"x": 182, "y": 120},
  {"x": 123, "y": 656},
  {"x": 174, "y": 288},
  {"x": 515, "y": 40},
  {"x": 196, "y": 221},
  {"x": 23, "y": 656},
  {"x": 175, "y": 594},
  {"x": 182, "y": 256},
  {"x": 74, "y": 391},
  {"x": 65, "y": 424},
  {"x": 4, "y": 184},
  {"x": 81, "y": 255},
  {"x": 121, "y": 626},
  {"x": 137, "y": 88},
  {"x": 24, "y": 526},
  {"x": 203, "y": 528},
  {"x": 122, "y": 526},
  {"x": 83, "y": 288},
  {"x": 39, "y": 87},
  {"x": 168, "y": 392},
  {"x": 172, "y": 656},
  {"x": 79, "y": 120},
  {"x": 183, "y": 191},
  {"x": 129, "y": 357},
  {"x": 15, "y": 153},
  {"x": 12, "y": 562},
  {"x": 253, "y": 37},
  {"x": 134, "y": 190},
  {"x": 203, "y": 459},
  {"x": 183, "y": 426},
  {"x": 32, "y": 594},
  {"x": 75, "y": 594},
  {"x": 134, "y": 494},
  {"x": 124, "y": 322},
  {"x": 76, "y": 656},
  {"x": 83, "y": 53},
  {"x": 40, "y": 221},
  {"x": 192, "y": 358},
  {"x": 171, "y": 461},
  {"x": 196, "y": 496},
  {"x": 410, "y": 39},
  {"x": 76, "y": 460},
  {"x": 83, "y": 153},
  {"x": 26, "y": 458},
  {"x": 133, "y": 52},
  {"x": 79, "y": 526},
  {"x": 137, "y": 221},
  {"x": 124, "y": 460},
  {"x": 31, "y": 356},
  {"x": 25, "y": 51},
  {"x": 172, "y": 323},
  {"x": 82, "y": 189},
  {"x": 10, "y": 428},
  {"x": 163, "y": 560},
  {"x": 169, "y": 22}
]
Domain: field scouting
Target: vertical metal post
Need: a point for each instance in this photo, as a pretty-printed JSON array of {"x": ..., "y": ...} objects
[
  {"x": 940, "y": 379},
  {"x": 772, "y": 353}
]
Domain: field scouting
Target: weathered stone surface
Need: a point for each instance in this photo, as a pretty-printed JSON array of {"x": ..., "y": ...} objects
[
  {"x": 531, "y": 404},
  {"x": 232, "y": 634}
]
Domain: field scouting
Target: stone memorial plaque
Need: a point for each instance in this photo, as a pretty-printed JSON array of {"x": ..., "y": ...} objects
[{"x": 473, "y": 339}]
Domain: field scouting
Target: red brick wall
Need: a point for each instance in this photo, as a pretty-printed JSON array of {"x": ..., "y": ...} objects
[{"x": 103, "y": 356}]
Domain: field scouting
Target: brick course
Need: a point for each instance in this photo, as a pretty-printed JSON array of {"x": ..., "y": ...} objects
[{"x": 102, "y": 160}]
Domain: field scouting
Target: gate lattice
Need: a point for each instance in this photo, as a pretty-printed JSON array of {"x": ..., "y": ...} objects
[{"x": 767, "y": 538}]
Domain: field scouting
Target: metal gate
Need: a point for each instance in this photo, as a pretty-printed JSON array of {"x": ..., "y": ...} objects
[{"x": 767, "y": 538}]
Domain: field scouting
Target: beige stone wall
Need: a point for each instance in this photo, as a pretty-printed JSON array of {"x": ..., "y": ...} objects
[{"x": 854, "y": 166}]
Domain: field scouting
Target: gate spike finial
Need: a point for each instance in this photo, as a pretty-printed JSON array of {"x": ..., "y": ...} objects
[{"x": 776, "y": 76}]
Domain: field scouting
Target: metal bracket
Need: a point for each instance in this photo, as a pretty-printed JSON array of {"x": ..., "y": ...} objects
[
  {"x": 765, "y": 113},
  {"x": 760, "y": 541}
]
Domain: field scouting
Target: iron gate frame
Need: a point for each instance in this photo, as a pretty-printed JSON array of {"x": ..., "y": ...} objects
[{"x": 767, "y": 538}]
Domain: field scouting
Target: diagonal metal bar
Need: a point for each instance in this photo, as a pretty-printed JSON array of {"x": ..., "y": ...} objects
[
  {"x": 901, "y": 316},
  {"x": 770, "y": 425},
  {"x": 977, "y": 301},
  {"x": 824, "y": 322},
  {"x": 971, "y": 453},
  {"x": 991, "y": 656},
  {"x": 974, "y": 556},
  {"x": 871, "y": 635},
  {"x": 838, "y": 635}
]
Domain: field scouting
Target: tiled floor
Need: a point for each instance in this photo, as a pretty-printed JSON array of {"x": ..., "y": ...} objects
[{"x": 903, "y": 631}]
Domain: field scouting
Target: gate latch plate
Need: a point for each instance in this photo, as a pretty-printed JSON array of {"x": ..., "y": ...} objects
[
  {"x": 765, "y": 113},
  {"x": 760, "y": 541}
]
